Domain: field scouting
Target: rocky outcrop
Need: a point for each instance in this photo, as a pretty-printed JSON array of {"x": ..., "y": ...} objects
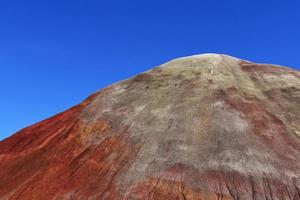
[{"x": 203, "y": 127}]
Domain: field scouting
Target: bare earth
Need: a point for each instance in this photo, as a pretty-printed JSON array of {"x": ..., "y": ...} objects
[{"x": 205, "y": 127}]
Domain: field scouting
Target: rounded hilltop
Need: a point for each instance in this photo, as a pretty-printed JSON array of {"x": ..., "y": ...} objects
[{"x": 206, "y": 56}]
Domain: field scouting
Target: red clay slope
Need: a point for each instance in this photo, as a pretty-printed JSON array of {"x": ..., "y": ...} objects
[{"x": 202, "y": 127}]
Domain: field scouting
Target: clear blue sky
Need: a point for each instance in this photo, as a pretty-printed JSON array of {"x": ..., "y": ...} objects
[{"x": 54, "y": 53}]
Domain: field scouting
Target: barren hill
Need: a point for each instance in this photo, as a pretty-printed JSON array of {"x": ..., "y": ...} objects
[{"x": 203, "y": 127}]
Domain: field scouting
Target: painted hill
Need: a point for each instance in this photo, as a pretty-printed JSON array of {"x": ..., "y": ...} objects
[{"x": 203, "y": 127}]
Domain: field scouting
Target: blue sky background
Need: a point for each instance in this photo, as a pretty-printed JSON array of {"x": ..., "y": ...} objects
[{"x": 54, "y": 53}]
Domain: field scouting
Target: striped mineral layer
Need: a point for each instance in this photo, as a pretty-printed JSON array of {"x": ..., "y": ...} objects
[{"x": 203, "y": 127}]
